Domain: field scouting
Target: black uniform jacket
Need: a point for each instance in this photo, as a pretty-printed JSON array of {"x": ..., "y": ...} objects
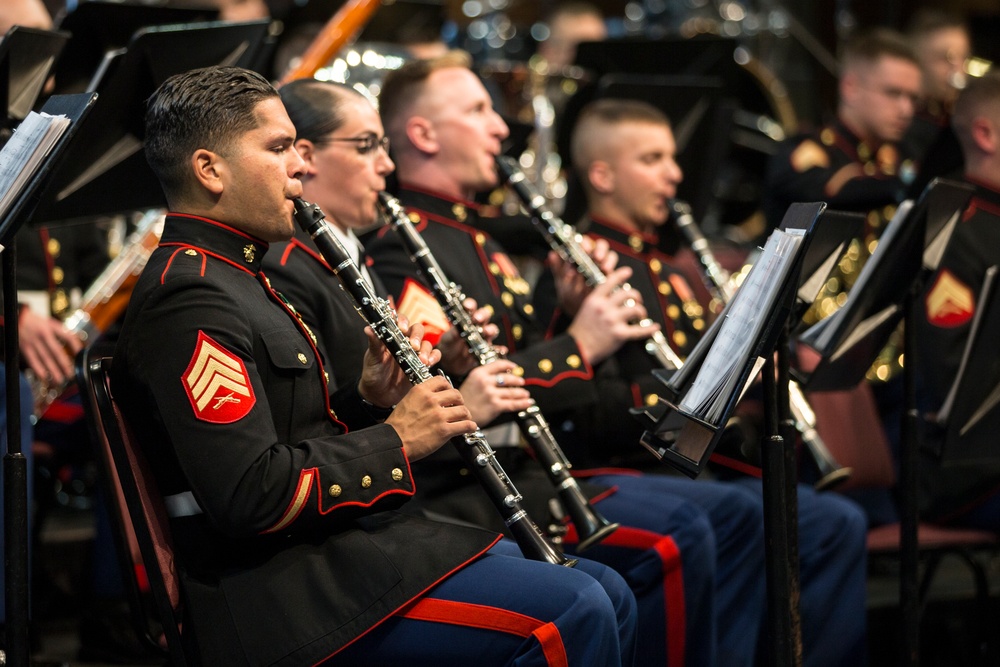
[
  {"x": 554, "y": 370},
  {"x": 834, "y": 166},
  {"x": 285, "y": 550},
  {"x": 607, "y": 433},
  {"x": 947, "y": 310}
]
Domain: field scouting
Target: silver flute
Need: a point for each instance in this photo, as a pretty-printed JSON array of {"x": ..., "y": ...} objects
[
  {"x": 472, "y": 447},
  {"x": 720, "y": 285},
  {"x": 591, "y": 527},
  {"x": 566, "y": 241}
]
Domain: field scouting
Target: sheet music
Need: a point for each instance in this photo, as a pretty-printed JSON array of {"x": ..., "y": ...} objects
[
  {"x": 24, "y": 153},
  {"x": 717, "y": 379}
]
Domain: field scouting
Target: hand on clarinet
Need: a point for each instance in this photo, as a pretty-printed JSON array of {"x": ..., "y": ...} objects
[
  {"x": 383, "y": 382},
  {"x": 571, "y": 287},
  {"x": 608, "y": 318},
  {"x": 492, "y": 390},
  {"x": 430, "y": 414},
  {"x": 456, "y": 359}
]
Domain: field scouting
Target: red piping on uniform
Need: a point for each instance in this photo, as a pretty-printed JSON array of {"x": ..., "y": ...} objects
[
  {"x": 219, "y": 224},
  {"x": 205, "y": 252},
  {"x": 735, "y": 464}
]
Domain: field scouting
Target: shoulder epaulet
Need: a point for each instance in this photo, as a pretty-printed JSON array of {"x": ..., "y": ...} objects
[
  {"x": 808, "y": 155},
  {"x": 184, "y": 261}
]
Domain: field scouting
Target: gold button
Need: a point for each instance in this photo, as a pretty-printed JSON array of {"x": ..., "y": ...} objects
[
  {"x": 53, "y": 247},
  {"x": 397, "y": 474},
  {"x": 303, "y": 359},
  {"x": 545, "y": 366},
  {"x": 529, "y": 309},
  {"x": 518, "y": 331},
  {"x": 869, "y": 169},
  {"x": 489, "y": 310},
  {"x": 635, "y": 241},
  {"x": 573, "y": 361},
  {"x": 507, "y": 298},
  {"x": 494, "y": 269},
  {"x": 889, "y": 211},
  {"x": 335, "y": 490},
  {"x": 698, "y": 324},
  {"x": 827, "y": 137},
  {"x": 664, "y": 288},
  {"x": 366, "y": 482},
  {"x": 518, "y": 371},
  {"x": 58, "y": 275},
  {"x": 480, "y": 238},
  {"x": 673, "y": 312},
  {"x": 191, "y": 253},
  {"x": 414, "y": 217},
  {"x": 655, "y": 265},
  {"x": 652, "y": 399},
  {"x": 680, "y": 339}
]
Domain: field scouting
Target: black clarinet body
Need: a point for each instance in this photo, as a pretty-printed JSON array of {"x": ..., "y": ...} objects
[
  {"x": 566, "y": 241},
  {"x": 473, "y": 448},
  {"x": 719, "y": 284},
  {"x": 591, "y": 527}
]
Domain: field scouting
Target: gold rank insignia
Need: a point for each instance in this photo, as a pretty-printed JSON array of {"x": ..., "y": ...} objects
[
  {"x": 827, "y": 136},
  {"x": 418, "y": 305},
  {"x": 458, "y": 210},
  {"x": 809, "y": 155},
  {"x": 950, "y": 302},
  {"x": 249, "y": 252}
]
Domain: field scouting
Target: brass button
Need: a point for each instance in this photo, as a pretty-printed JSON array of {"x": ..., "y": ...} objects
[
  {"x": 302, "y": 358},
  {"x": 698, "y": 324},
  {"x": 652, "y": 400},
  {"x": 518, "y": 331},
  {"x": 518, "y": 371},
  {"x": 489, "y": 310},
  {"x": 573, "y": 361},
  {"x": 655, "y": 265},
  {"x": 635, "y": 242},
  {"x": 53, "y": 247},
  {"x": 863, "y": 151},
  {"x": 494, "y": 268},
  {"x": 545, "y": 366},
  {"x": 869, "y": 169},
  {"x": 827, "y": 137},
  {"x": 335, "y": 490},
  {"x": 673, "y": 312},
  {"x": 190, "y": 253},
  {"x": 366, "y": 482},
  {"x": 507, "y": 298},
  {"x": 680, "y": 339},
  {"x": 414, "y": 217},
  {"x": 397, "y": 474},
  {"x": 529, "y": 309},
  {"x": 459, "y": 212},
  {"x": 480, "y": 238},
  {"x": 58, "y": 275},
  {"x": 664, "y": 288}
]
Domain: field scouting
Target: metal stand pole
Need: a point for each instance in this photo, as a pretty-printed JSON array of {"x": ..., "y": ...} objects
[{"x": 909, "y": 594}]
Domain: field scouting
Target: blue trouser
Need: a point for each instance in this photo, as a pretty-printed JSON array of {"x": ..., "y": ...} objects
[
  {"x": 706, "y": 540},
  {"x": 27, "y": 407},
  {"x": 832, "y": 576},
  {"x": 505, "y": 610}
]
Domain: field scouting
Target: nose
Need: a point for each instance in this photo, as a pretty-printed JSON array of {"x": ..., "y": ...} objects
[
  {"x": 296, "y": 165},
  {"x": 383, "y": 163},
  {"x": 500, "y": 129}
]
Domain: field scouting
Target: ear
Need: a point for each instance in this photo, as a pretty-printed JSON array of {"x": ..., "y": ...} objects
[
  {"x": 209, "y": 170},
  {"x": 985, "y": 135},
  {"x": 601, "y": 177},
  {"x": 420, "y": 132},
  {"x": 307, "y": 150},
  {"x": 848, "y": 87}
]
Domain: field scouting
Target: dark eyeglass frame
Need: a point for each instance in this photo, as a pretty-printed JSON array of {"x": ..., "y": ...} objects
[{"x": 365, "y": 145}]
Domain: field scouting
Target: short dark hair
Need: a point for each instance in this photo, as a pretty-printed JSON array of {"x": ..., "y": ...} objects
[
  {"x": 203, "y": 108},
  {"x": 315, "y": 107},
  {"x": 406, "y": 83},
  {"x": 980, "y": 96},
  {"x": 869, "y": 46},
  {"x": 927, "y": 20}
]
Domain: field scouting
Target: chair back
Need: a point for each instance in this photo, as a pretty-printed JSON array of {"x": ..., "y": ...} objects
[{"x": 140, "y": 504}]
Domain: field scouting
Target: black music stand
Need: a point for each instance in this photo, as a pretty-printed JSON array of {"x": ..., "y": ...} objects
[
  {"x": 74, "y": 107},
  {"x": 26, "y": 57},
  {"x": 849, "y": 341},
  {"x": 106, "y": 171},
  {"x": 98, "y": 27}
]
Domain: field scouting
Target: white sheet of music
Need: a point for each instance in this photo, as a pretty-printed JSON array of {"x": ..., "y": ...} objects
[{"x": 720, "y": 372}]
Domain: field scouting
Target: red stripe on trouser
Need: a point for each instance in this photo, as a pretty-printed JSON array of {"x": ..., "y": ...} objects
[
  {"x": 492, "y": 618},
  {"x": 673, "y": 579}
]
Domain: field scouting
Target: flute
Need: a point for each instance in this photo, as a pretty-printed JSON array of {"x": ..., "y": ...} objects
[
  {"x": 590, "y": 525},
  {"x": 472, "y": 447},
  {"x": 566, "y": 241}
]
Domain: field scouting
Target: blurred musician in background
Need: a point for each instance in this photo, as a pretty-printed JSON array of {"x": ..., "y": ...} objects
[
  {"x": 445, "y": 136},
  {"x": 569, "y": 24},
  {"x": 966, "y": 493},
  {"x": 26, "y": 13},
  {"x": 624, "y": 153}
]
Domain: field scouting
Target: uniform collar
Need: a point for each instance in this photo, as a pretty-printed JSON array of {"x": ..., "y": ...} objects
[
  {"x": 639, "y": 242},
  {"x": 215, "y": 238},
  {"x": 438, "y": 203}
]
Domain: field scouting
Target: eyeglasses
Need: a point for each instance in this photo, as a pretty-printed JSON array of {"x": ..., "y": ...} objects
[{"x": 364, "y": 145}]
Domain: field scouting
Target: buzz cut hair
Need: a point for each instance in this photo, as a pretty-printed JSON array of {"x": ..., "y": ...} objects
[
  {"x": 980, "y": 97},
  {"x": 604, "y": 113}
]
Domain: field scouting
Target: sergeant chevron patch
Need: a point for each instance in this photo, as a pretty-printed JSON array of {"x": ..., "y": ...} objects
[
  {"x": 949, "y": 303},
  {"x": 217, "y": 384},
  {"x": 418, "y": 305}
]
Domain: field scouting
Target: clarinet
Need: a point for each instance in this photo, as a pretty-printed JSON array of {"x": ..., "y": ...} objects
[
  {"x": 590, "y": 526},
  {"x": 472, "y": 447},
  {"x": 566, "y": 241},
  {"x": 718, "y": 280}
]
